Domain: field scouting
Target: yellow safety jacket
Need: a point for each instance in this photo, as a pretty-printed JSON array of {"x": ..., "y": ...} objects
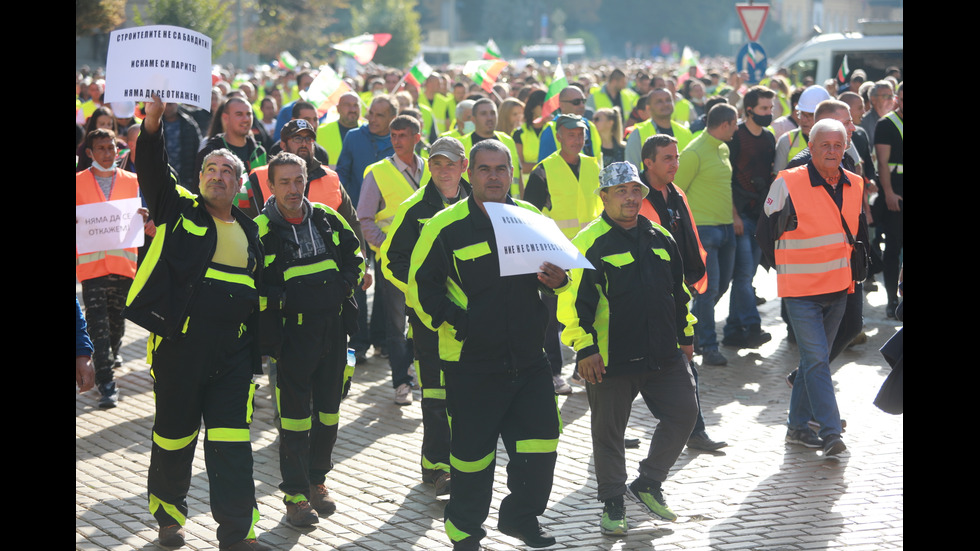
[{"x": 574, "y": 203}]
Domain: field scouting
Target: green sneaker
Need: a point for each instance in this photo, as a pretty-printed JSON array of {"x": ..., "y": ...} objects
[
  {"x": 651, "y": 498},
  {"x": 614, "y": 517}
]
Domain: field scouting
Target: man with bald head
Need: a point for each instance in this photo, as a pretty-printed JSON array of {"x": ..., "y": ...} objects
[
  {"x": 362, "y": 147},
  {"x": 331, "y": 135}
]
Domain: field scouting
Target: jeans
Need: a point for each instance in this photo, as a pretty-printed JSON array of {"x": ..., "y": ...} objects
[
  {"x": 719, "y": 243},
  {"x": 815, "y": 324},
  {"x": 743, "y": 311}
]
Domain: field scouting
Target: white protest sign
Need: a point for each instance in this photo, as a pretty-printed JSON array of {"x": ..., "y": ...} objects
[
  {"x": 172, "y": 62},
  {"x": 525, "y": 240},
  {"x": 107, "y": 226}
]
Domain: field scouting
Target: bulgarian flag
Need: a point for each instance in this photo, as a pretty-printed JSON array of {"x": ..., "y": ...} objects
[
  {"x": 689, "y": 59},
  {"x": 287, "y": 60},
  {"x": 362, "y": 48},
  {"x": 418, "y": 73},
  {"x": 558, "y": 84},
  {"x": 484, "y": 73},
  {"x": 492, "y": 51},
  {"x": 325, "y": 90},
  {"x": 843, "y": 71}
]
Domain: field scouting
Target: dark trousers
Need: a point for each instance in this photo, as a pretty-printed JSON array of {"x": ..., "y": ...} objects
[
  {"x": 435, "y": 423},
  {"x": 669, "y": 394},
  {"x": 552, "y": 339},
  {"x": 891, "y": 223},
  {"x": 373, "y": 332},
  {"x": 105, "y": 298},
  {"x": 519, "y": 407},
  {"x": 311, "y": 366},
  {"x": 205, "y": 372}
]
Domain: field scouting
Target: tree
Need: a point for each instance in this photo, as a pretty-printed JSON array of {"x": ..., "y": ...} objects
[
  {"x": 397, "y": 17},
  {"x": 98, "y": 16},
  {"x": 298, "y": 26},
  {"x": 208, "y": 17}
]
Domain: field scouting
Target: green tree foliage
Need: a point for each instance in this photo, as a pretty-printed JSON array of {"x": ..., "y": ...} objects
[
  {"x": 298, "y": 26},
  {"x": 208, "y": 17},
  {"x": 98, "y": 16},
  {"x": 397, "y": 17}
]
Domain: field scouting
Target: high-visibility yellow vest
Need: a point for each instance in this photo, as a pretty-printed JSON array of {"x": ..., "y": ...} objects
[
  {"x": 574, "y": 203},
  {"x": 394, "y": 190},
  {"x": 681, "y": 133}
]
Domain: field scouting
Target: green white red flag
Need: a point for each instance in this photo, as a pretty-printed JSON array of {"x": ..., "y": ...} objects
[
  {"x": 551, "y": 101},
  {"x": 492, "y": 51},
  {"x": 287, "y": 60},
  {"x": 362, "y": 48},
  {"x": 325, "y": 90},
  {"x": 689, "y": 59},
  {"x": 484, "y": 73},
  {"x": 418, "y": 73},
  {"x": 844, "y": 71}
]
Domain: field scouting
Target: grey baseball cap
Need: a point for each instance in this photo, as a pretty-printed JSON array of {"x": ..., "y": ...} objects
[
  {"x": 620, "y": 173},
  {"x": 571, "y": 121},
  {"x": 448, "y": 147}
]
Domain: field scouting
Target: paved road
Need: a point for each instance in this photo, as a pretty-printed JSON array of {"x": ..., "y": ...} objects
[{"x": 760, "y": 493}]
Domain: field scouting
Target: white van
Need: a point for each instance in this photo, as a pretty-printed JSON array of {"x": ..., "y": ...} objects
[{"x": 877, "y": 46}]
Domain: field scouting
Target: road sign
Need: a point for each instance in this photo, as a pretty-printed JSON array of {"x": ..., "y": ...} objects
[
  {"x": 753, "y": 18},
  {"x": 752, "y": 59}
]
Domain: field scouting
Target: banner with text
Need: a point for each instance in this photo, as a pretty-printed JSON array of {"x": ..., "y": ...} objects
[
  {"x": 525, "y": 240},
  {"x": 107, "y": 226},
  {"x": 172, "y": 62}
]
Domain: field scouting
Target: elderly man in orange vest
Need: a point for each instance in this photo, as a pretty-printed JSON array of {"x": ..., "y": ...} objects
[
  {"x": 810, "y": 224},
  {"x": 105, "y": 275}
]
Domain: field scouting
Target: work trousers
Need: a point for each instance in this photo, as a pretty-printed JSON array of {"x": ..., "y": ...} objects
[
  {"x": 669, "y": 395},
  {"x": 520, "y": 407},
  {"x": 204, "y": 372},
  {"x": 435, "y": 423},
  {"x": 311, "y": 366},
  {"x": 104, "y": 298}
]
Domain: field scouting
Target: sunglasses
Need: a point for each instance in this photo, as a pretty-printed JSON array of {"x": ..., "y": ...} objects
[{"x": 574, "y": 101}]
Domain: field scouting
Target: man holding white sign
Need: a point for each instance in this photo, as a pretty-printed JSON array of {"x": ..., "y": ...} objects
[
  {"x": 196, "y": 293},
  {"x": 107, "y": 274},
  {"x": 628, "y": 321},
  {"x": 491, "y": 335}
]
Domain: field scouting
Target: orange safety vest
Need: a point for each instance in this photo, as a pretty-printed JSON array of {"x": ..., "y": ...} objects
[
  {"x": 647, "y": 210},
  {"x": 815, "y": 258},
  {"x": 325, "y": 189},
  {"x": 117, "y": 261}
]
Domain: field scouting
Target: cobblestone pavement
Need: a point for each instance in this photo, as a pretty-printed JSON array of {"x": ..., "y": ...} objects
[{"x": 758, "y": 493}]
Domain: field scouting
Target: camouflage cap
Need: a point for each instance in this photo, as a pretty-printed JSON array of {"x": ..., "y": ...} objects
[{"x": 620, "y": 173}]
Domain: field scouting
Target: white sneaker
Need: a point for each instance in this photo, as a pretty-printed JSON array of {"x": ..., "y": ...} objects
[
  {"x": 403, "y": 395},
  {"x": 561, "y": 387}
]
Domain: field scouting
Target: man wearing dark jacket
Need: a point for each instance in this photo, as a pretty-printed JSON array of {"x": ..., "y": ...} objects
[
  {"x": 447, "y": 162},
  {"x": 629, "y": 323},
  {"x": 491, "y": 336},
  {"x": 312, "y": 267},
  {"x": 196, "y": 293}
]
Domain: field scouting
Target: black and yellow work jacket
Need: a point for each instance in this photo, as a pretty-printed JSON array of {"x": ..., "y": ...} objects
[{"x": 178, "y": 262}]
